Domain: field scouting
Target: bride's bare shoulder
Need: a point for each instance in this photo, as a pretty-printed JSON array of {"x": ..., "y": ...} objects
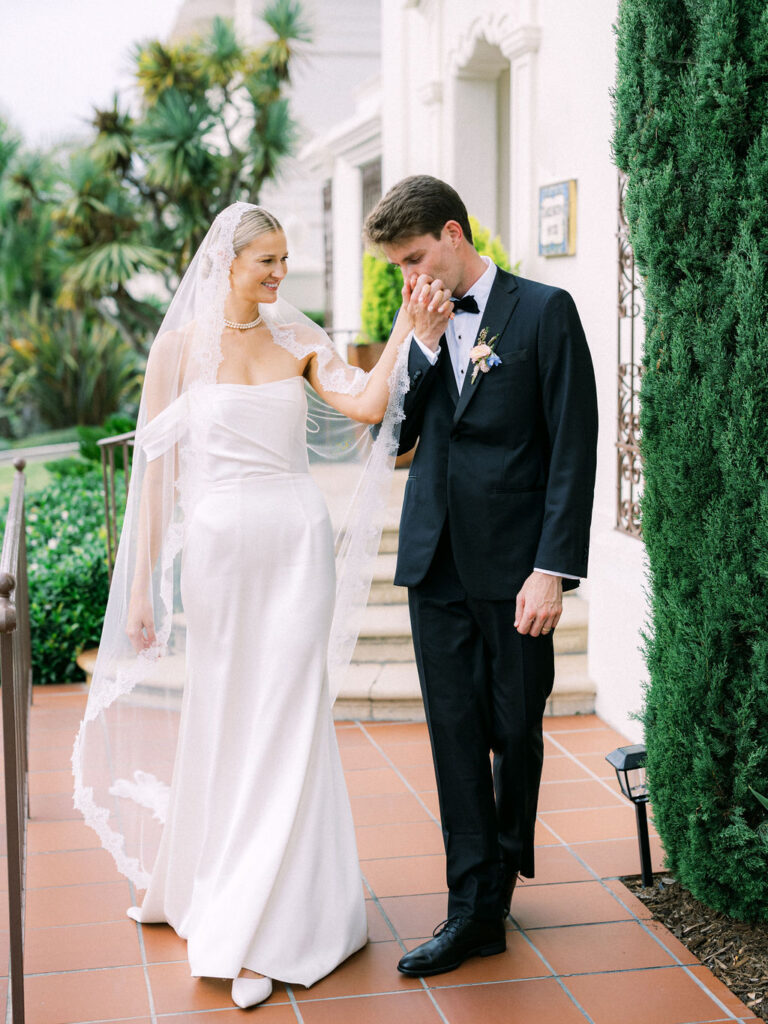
[
  {"x": 169, "y": 353},
  {"x": 172, "y": 344}
]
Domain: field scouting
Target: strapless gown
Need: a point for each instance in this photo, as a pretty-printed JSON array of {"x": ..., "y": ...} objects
[{"x": 258, "y": 865}]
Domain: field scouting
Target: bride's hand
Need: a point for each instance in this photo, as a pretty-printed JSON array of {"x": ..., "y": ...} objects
[
  {"x": 140, "y": 624},
  {"x": 405, "y": 311}
]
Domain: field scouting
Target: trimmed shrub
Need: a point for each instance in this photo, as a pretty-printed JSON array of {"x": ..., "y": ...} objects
[
  {"x": 692, "y": 135},
  {"x": 382, "y": 284},
  {"x": 68, "y": 583},
  {"x": 490, "y": 246},
  {"x": 113, "y": 426}
]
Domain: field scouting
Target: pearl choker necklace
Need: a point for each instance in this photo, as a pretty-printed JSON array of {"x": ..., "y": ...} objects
[{"x": 243, "y": 327}]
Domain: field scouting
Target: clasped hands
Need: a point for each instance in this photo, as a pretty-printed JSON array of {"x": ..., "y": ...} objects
[{"x": 427, "y": 304}]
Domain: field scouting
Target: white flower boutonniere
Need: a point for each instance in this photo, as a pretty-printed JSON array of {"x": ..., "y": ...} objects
[{"x": 483, "y": 355}]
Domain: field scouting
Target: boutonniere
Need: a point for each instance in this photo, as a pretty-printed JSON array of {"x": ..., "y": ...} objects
[{"x": 483, "y": 355}]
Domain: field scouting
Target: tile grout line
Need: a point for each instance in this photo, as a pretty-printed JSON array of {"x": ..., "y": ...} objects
[
  {"x": 700, "y": 984},
  {"x": 400, "y": 942},
  {"x": 568, "y": 847},
  {"x": 294, "y": 1004},
  {"x": 574, "y": 757},
  {"x": 400, "y": 775},
  {"x": 415, "y": 793},
  {"x": 555, "y": 975},
  {"x": 134, "y": 899},
  {"x": 383, "y": 912}
]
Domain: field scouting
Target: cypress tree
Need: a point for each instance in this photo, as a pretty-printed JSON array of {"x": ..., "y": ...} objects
[{"x": 691, "y": 106}]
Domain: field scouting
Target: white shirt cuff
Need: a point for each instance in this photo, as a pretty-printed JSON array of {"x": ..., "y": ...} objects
[
  {"x": 565, "y": 575},
  {"x": 431, "y": 356}
]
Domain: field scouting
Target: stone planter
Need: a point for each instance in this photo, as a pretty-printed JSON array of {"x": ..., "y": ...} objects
[{"x": 365, "y": 356}]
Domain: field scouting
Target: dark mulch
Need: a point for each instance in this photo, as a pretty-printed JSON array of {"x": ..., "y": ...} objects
[{"x": 735, "y": 952}]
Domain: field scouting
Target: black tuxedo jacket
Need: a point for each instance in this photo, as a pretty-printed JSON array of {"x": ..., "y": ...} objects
[{"x": 510, "y": 461}]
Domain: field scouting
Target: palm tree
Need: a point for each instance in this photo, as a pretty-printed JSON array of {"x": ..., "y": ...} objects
[{"x": 213, "y": 127}]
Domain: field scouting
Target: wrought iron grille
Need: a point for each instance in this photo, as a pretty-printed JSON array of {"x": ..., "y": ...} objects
[
  {"x": 629, "y": 475},
  {"x": 328, "y": 252}
]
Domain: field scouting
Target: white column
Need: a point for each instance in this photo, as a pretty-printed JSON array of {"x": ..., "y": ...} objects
[
  {"x": 347, "y": 246},
  {"x": 523, "y": 204},
  {"x": 396, "y": 103}
]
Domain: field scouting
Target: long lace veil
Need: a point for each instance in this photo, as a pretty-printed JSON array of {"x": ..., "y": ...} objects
[{"x": 124, "y": 751}]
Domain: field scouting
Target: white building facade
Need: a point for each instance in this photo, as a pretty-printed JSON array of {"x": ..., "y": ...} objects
[{"x": 503, "y": 98}]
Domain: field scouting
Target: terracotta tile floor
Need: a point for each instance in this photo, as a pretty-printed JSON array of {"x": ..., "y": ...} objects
[{"x": 580, "y": 947}]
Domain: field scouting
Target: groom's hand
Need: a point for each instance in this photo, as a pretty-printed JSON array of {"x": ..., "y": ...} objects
[
  {"x": 539, "y": 604},
  {"x": 429, "y": 307}
]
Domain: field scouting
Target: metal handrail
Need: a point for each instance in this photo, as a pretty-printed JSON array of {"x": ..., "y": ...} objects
[
  {"x": 16, "y": 680},
  {"x": 108, "y": 446}
]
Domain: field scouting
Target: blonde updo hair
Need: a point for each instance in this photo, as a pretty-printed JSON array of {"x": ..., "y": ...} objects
[{"x": 253, "y": 224}]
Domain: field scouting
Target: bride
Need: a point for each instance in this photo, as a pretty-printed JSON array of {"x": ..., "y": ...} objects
[{"x": 207, "y": 758}]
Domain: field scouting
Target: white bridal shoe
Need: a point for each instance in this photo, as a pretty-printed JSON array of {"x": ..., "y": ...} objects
[{"x": 250, "y": 991}]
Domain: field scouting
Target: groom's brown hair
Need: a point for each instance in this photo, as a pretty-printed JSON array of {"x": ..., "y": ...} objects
[{"x": 419, "y": 205}]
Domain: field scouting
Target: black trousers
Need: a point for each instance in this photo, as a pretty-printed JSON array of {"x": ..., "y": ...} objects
[{"x": 485, "y": 688}]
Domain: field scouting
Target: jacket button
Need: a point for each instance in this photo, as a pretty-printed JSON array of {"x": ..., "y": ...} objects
[{"x": 417, "y": 375}]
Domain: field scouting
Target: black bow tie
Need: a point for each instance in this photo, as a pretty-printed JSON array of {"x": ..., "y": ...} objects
[{"x": 465, "y": 305}]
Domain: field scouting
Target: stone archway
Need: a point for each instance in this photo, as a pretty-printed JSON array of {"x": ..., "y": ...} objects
[
  {"x": 481, "y": 140},
  {"x": 490, "y": 115}
]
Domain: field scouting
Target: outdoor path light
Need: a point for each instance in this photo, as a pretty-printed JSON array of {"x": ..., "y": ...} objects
[{"x": 629, "y": 763}]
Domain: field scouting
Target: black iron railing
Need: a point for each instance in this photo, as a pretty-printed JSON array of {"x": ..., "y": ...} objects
[
  {"x": 112, "y": 447},
  {"x": 16, "y": 686}
]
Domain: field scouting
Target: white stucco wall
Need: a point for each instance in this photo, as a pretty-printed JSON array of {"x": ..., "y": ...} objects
[{"x": 440, "y": 114}]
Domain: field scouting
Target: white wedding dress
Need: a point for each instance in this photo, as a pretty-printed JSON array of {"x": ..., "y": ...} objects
[{"x": 258, "y": 865}]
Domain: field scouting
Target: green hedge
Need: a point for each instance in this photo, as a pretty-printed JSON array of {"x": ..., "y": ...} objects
[
  {"x": 692, "y": 135},
  {"x": 68, "y": 584}
]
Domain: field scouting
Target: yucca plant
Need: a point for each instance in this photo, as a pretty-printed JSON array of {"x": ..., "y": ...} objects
[
  {"x": 30, "y": 254},
  {"x": 213, "y": 127},
  {"x": 72, "y": 367}
]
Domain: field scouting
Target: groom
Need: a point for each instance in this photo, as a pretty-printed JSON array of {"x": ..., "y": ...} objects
[{"x": 495, "y": 525}]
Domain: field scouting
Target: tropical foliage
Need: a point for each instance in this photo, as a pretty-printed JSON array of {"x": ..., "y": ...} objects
[
  {"x": 213, "y": 126},
  {"x": 70, "y": 367},
  {"x": 93, "y": 239},
  {"x": 691, "y": 116}
]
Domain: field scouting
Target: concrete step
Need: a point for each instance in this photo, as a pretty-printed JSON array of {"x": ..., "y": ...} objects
[
  {"x": 375, "y": 691},
  {"x": 386, "y": 632},
  {"x": 390, "y": 536},
  {"x": 573, "y": 692},
  {"x": 383, "y": 590}
]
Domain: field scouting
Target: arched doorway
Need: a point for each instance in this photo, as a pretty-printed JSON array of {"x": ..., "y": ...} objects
[{"x": 482, "y": 136}]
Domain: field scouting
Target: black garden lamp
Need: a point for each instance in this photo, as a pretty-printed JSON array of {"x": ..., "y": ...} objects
[{"x": 629, "y": 763}]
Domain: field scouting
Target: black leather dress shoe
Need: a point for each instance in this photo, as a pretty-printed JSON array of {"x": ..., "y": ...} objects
[{"x": 455, "y": 940}]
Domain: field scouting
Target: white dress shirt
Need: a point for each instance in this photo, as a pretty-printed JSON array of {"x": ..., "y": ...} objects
[{"x": 460, "y": 336}]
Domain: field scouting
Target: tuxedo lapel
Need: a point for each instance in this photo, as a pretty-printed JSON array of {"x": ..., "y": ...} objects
[
  {"x": 446, "y": 369},
  {"x": 499, "y": 308}
]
